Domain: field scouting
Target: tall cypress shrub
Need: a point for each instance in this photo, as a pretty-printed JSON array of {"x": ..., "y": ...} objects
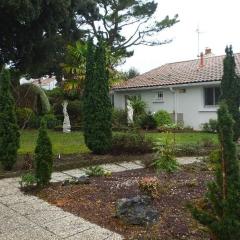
[
  {"x": 43, "y": 156},
  {"x": 96, "y": 102},
  {"x": 222, "y": 211},
  {"x": 230, "y": 90},
  {"x": 9, "y": 132}
]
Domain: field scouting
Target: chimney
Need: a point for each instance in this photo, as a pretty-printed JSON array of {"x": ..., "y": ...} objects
[
  {"x": 201, "y": 64},
  {"x": 208, "y": 51}
]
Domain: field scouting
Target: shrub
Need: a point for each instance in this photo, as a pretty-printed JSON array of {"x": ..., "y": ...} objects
[
  {"x": 149, "y": 186},
  {"x": 51, "y": 121},
  {"x": 162, "y": 118},
  {"x": 28, "y": 180},
  {"x": 138, "y": 106},
  {"x": 221, "y": 214},
  {"x": 24, "y": 116},
  {"x": 96, "y": 171},
  {"x": 131, "y": 143},
  {"x": 9, "y": 132},
  {"x": 119, "y": 118},
  {"x": 147, "y": 121},
  {"x": 97, "y": 107},
  {"x": 43, "y": 156},
  {"x": 211, "y": 126},
  {"x": 165, "y": 155}
]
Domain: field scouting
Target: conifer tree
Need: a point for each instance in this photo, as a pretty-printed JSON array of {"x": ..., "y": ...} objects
[
  {"x": 222, "y": 211},
  {"x": 43, "y": 156},
  {"x": 96, "y": 102},
  {"x": 9, "y": 132},
  {"x": 230, "y": 90}
]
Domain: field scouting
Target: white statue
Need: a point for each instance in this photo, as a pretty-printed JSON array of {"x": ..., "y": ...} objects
[
  {"x": 66, "y": 122},
  {"x": 129, "y": 112}
]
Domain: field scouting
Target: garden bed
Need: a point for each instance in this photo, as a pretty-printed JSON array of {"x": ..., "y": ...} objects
[{"x": 96, "y": 202}]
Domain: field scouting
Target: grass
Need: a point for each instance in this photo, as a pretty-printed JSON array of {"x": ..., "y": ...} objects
[
  {"x": 62, "y": 143},
  {"x": 187, "y": 138},
  {"x": 73, "y": 143}
]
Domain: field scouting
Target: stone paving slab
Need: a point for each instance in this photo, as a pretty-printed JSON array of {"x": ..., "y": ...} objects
[
  {"x": 68, "y": 226},
  {"x": 59, "y": 176},
  {"x": 96, "y": 233},
  {"x": 130, "y": 165},
  {"x": 75, "y": 173},
  {"x": 17, "y": 198},
  {"x": 113, "y": 167},
  {"x": 187, "y": 160},
  {"x": 29, "y": 233}
]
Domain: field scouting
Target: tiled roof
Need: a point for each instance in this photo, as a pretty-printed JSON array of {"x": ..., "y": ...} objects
[{"x": 180, "y": 73}]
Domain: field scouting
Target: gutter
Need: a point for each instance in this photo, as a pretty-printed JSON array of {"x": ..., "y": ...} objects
[
  {"x": 166, "y": 86},
  {"x": 174, "y": 103}
]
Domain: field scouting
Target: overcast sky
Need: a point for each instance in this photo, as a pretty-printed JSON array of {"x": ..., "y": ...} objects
[{"x": 218, "y": 20}]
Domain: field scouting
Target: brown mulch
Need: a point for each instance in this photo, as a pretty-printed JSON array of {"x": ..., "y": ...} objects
[{"x": 96, "y": 202}]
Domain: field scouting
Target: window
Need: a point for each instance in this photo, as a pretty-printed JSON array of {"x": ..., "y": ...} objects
[
  {"x": 159, "y": 96},
  {"x": 211, "y": 96}
]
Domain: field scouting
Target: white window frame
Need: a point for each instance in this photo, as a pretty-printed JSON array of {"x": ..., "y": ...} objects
[
  {"x": 159, "y": 96},
  {"x": 214, "y": 98}
]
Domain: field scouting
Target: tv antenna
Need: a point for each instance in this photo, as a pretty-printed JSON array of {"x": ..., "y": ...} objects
[{"x": 198, "y": 37}]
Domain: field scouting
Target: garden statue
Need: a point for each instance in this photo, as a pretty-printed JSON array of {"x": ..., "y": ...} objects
[
  {"x": 66, "y": 122},
  {"x": 129, "y": 112}
]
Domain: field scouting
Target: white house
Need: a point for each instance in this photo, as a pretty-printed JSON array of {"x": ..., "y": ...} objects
[
  {"x": 47, "y": 83},
  {"x": 189, "y": 90}
]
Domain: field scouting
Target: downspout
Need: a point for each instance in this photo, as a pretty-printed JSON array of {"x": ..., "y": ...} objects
[{"x": 174, "y": 103}]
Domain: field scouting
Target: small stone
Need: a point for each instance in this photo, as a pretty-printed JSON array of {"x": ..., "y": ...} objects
[
  {"x": 82, "y": 180},
  {"x": 65, "y": 182},
  {"x": 137, "y": 210}
]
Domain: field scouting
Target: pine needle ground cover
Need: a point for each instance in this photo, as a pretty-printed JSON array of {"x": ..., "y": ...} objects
[{"x": 96, "y": 201}]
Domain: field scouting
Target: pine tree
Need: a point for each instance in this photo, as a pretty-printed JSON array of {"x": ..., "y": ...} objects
[
  {"x": 96, "y": 102},
  {"x": 222, "y": 211},
  {"x": 9, "y": 132},
  {"x": 230, "y": 90},
  {"x": 43, "y": 156}
]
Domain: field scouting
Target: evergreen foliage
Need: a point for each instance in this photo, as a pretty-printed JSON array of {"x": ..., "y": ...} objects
[
  {"x": 96, "y": 102},
  {"x": 230, "y": 88},
  {"x": 222, "y": 210},
  {"x": 9, "y": 132},
  {"x": 43, "y": 156}
]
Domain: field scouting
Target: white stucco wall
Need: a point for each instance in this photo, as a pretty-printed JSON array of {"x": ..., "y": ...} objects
[{"x": 190, "y": 102}]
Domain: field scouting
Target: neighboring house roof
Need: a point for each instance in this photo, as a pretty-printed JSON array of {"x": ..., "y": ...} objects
[
  {"x": 44, "y": 81},
  {"x": 180, "y": 73}
]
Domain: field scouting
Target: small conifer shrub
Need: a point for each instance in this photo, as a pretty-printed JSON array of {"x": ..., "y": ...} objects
[
  {"x": 43, "y": 156},
  {"x": 9, "y": 132}
]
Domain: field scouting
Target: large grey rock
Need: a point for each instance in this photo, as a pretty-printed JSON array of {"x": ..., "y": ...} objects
[{"x": 137, "y": 210}]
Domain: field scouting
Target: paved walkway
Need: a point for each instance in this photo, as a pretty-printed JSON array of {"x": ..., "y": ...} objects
[{"x": 24, "y": 217}]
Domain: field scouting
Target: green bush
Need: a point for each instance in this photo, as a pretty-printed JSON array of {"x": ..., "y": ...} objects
[
  {"x": 131, "y": 143},
  {"x": 51, "y": 121},
  {"x": 25, "y": 117},
  {"x": 9, "y": 131},
  {"x": 147, "y": 121},
  {"x": 162, "y": 118},
  {"x": 211, "y": 126},
  {"x": 165, "y": 159},
  {"x": 97, "y": 107},
  {"x": 119, "y": 118},
  {"x": 43, "y": 156},
  {"x": 28, "y": 180},
  {"x": 96, "y": 171}
]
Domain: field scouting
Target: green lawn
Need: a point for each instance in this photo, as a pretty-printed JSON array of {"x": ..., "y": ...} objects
[
  {"x": 187, "y": 138},
  {"x": 62, "y": 143},
  {"x": 74, "y": 142}
]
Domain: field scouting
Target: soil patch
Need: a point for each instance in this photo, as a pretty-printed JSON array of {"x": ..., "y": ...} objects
[{"x": 96, "y": 202}]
